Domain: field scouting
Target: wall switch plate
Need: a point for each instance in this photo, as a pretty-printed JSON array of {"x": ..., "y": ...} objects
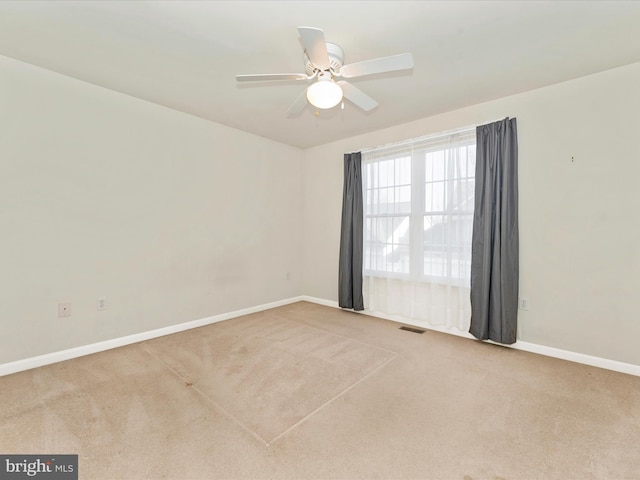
[
  {"x": 64, "y": 310},
  {"x": 101, "y": 303},
  {"x": 523, "y": 303}
]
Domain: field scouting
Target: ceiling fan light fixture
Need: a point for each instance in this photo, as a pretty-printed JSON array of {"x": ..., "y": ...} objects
[
  {"x": 324, "y": 93},
  {"x": 324, "y": 61}
]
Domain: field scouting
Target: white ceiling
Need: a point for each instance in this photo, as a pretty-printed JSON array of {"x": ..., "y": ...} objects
[{"x": 185, "y": 54}]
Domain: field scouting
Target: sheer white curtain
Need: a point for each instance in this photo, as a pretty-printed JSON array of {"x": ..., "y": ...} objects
[{"x": 418, "y": 216}]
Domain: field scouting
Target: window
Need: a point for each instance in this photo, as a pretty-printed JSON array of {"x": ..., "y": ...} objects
[{"x": 418, "y": 209}]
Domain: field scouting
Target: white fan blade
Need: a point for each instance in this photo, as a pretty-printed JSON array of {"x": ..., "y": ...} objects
[
  {"x": 357, "y": 96},
  {"x": 316, "y": 46},
  {"x": 271, "y": 76},
  {"x": 393, "y": 63},
  {"x": 298, "y": 105}
]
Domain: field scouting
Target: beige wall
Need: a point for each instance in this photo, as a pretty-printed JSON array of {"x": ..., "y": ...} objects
[
  {"x": 579, "y": 180},
  {"x": 173, "y": 218},
  {"x": 170, "y": 217}
]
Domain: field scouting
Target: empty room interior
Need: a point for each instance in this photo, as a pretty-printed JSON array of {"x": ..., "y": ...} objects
[{"x": 208, "y": 273}]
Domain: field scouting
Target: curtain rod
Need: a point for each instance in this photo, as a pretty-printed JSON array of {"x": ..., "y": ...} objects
[
  {"x": 425, "y": 137},
  {"x": 417, "y": 139}
]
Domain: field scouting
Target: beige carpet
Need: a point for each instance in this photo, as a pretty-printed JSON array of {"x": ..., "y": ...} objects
[{"x": 311, "y": 392}]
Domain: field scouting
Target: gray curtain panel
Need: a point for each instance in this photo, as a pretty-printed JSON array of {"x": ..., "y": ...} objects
[
  {"x": 494, "y": 249},
  {"x": 351, "y": 245}
]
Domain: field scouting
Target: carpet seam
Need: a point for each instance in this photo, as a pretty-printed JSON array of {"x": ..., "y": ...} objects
[
  {"x": 331, "y": 400},
  {"x": 342, "y": 336},
  {"x": 206, "y": 397}
]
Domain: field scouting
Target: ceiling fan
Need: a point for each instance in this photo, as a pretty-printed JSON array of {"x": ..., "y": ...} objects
[{"x": 323, "y": 62}]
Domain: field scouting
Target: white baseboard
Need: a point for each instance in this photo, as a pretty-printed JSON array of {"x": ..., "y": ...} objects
[
  {"x": 320, "y": 301},
  {"x": 55, "y": 357},
  {"x": 599, "y": 362}
]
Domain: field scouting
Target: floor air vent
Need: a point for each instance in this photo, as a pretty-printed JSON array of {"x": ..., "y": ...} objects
[{"x": 414, "y": 330}]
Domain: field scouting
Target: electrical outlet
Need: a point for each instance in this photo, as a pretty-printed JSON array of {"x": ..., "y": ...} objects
[
  {"x": 64, "y": 310},
  {"x": 102, "y": 303},
  {"x": 523, "y": 304}
]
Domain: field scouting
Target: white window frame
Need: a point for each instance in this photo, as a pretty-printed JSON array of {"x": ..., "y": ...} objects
[{"x": 416, "y": 149}]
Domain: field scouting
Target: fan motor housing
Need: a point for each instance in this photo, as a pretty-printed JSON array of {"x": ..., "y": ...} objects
[{"x": 336, "y": 59}]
